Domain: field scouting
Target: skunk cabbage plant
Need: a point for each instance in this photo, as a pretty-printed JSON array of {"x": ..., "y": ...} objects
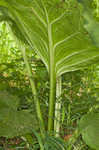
[{"x": 54, "y": 29}]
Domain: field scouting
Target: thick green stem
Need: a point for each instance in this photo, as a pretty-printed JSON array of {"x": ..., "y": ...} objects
[
  {"x": 36, "y": 100},
  {"x": 58, "y": 107},
  {"x": 52, "y": 83},
  {"x": 52, "y": 103}
]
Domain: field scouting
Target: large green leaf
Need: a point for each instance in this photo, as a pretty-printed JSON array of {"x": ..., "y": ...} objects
[
  {"x": 89, "y": 128},
  {"x": 54, "y": 29}
]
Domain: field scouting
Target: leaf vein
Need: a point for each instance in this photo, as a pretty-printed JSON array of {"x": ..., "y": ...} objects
[
  {"x": 41, "y": 20},
  {"x": 67, "y": 38},
  {"x": 79, "y": 62}
]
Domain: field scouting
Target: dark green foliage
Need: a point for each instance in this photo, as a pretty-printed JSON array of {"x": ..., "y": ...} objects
[
  {"x": 8, "y": 101},
  {"x": 13, "y": 122},
  {"x": 53, "y": 143}
]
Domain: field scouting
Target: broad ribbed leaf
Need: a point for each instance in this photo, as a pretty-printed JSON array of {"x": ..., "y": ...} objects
[
  {"x": 89, "y": 128},
  {"x": 54, "y": 30}
]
